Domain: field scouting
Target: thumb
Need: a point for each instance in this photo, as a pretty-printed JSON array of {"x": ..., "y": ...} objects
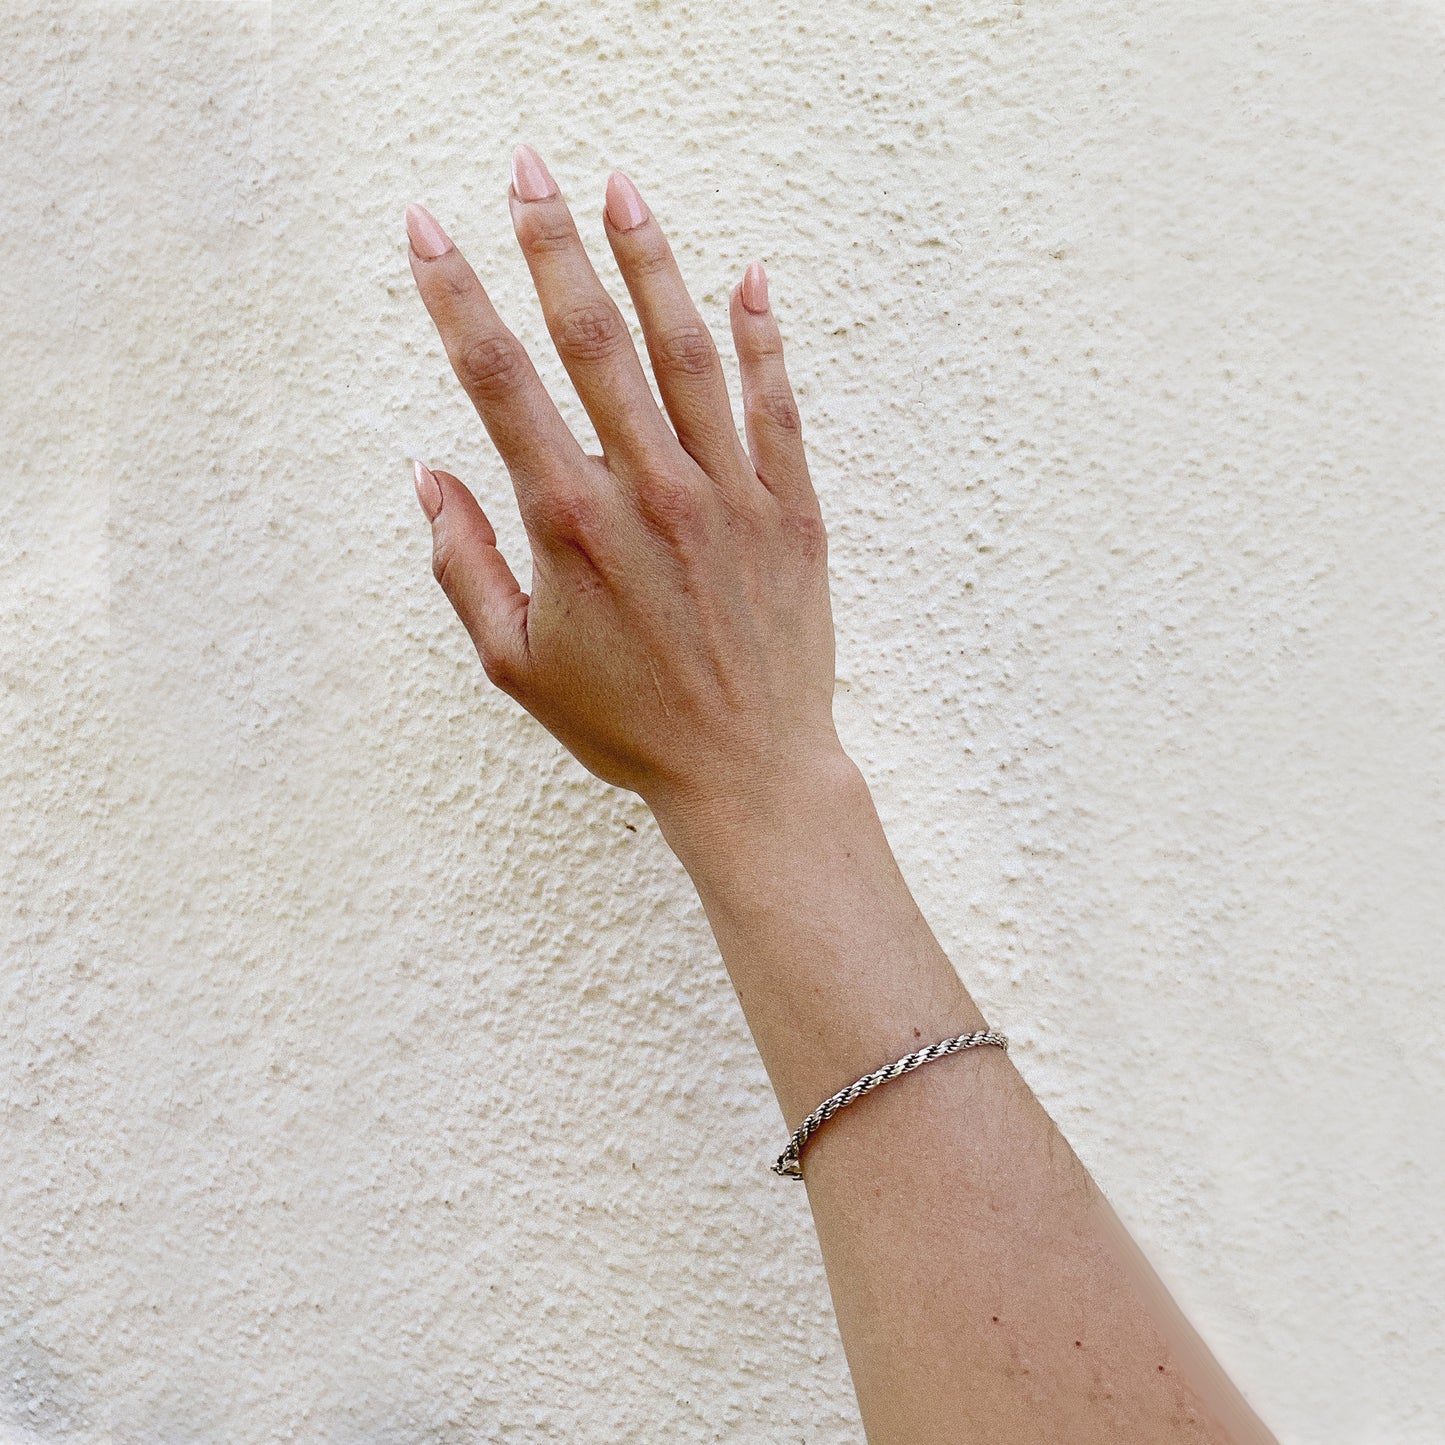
[{"x": 475, "y": 576}]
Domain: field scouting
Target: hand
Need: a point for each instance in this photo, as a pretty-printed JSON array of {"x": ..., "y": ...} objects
[{"x": 678, "y": 639}]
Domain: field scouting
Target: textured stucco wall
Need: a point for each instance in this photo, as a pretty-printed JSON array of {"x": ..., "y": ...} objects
[{"x": 369, "y": 1074}]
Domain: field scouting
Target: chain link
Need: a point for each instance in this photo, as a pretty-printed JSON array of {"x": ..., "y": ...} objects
[{"x": 788, "y": 1163}]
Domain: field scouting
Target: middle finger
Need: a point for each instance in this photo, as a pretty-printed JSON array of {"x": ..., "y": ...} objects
[{"x": 587, "y": 328}]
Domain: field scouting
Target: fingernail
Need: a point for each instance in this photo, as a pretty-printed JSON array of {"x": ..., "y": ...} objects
[
  {"x": 531, "y": 179},
  {"x": 428, "y": 490},
  {"x": 624, "y": 206},
  {"x": 755, "y": 288},
  {"x": 425, "y": 233}
]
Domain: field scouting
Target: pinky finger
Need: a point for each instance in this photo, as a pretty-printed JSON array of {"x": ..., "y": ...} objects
[
  {"x": 774, "y": 427},
  {"x": 475, "y": 576}
]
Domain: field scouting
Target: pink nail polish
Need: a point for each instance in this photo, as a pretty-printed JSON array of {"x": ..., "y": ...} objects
[
  {"x": 624, "y": 206},
  {"x": 424, "y": 232},
  {"x": 755, "y": 289},
  {"x": 428, "y": 490},
  {"x": 531, "y": 179}
]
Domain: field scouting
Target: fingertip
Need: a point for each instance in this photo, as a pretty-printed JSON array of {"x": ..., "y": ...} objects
[
  {"x": 531, "y": 180},
  {"x": 428, "y": 489},
  {"x": 624, "y": 207},
  {"x": 468, "y": 502},
  {"x": 425, "y": 234},
  {"x": 754, "y": 289}
]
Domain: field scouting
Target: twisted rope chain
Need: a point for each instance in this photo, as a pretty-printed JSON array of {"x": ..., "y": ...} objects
[{"x": 787, "y": 1164}]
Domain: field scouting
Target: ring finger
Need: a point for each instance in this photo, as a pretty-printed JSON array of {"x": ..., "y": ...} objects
[{"x": 684, "y": 355}]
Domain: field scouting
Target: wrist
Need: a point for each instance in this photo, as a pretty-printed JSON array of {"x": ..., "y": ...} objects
[
  {"x": 836, "y": 968},
  {"x": 731, "y": 832}
]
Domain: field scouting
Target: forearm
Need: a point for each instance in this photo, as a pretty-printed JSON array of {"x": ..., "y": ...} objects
[
  {"x": 830, "y": 956},
  {"x": 980, "y": 1289},
  {"x": 678, "y": 639}
]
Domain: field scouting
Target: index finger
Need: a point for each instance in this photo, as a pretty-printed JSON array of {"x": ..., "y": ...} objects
[{"x": 492, "y": 365}]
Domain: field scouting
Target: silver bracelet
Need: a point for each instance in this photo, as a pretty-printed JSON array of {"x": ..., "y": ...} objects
[{"x": 788, "y": 1163}]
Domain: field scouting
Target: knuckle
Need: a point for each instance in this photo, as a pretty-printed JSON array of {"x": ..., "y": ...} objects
[
  {"x": 650, "y": 261},
  {"x": 806, "y": 535},
  {"x": 688, "y": 350},
  {"x": 672, "y": 509},
  {"x": 441, "y": 564},
  {"x": 761, "y": 349},
  {"x": 490, "y": 366},
  {"x": 456, "y": 282},
  {"x": 543, "y": 231},
  {"x": 590, "y": 332},
  {"x": 777, "y": 408},
  {"x": 754, "y": 518},
  {"x": 572, "y": 515},
  {"x": 498, "y": 665}
]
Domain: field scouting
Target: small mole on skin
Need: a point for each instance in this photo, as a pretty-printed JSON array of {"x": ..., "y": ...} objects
[
  {"x": 1161, "y": 1369},
  {"x": 1078, "y": 1344},
  {"x": 995, "y": 1320},
  {"x": 917, "y": 1034}
]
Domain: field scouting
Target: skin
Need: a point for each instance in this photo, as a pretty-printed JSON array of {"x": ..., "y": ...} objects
[{"x": 678, "y": 641}]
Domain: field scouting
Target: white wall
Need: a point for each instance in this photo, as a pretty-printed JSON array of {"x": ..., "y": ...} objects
[{"x": 369, "y": 1073}]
